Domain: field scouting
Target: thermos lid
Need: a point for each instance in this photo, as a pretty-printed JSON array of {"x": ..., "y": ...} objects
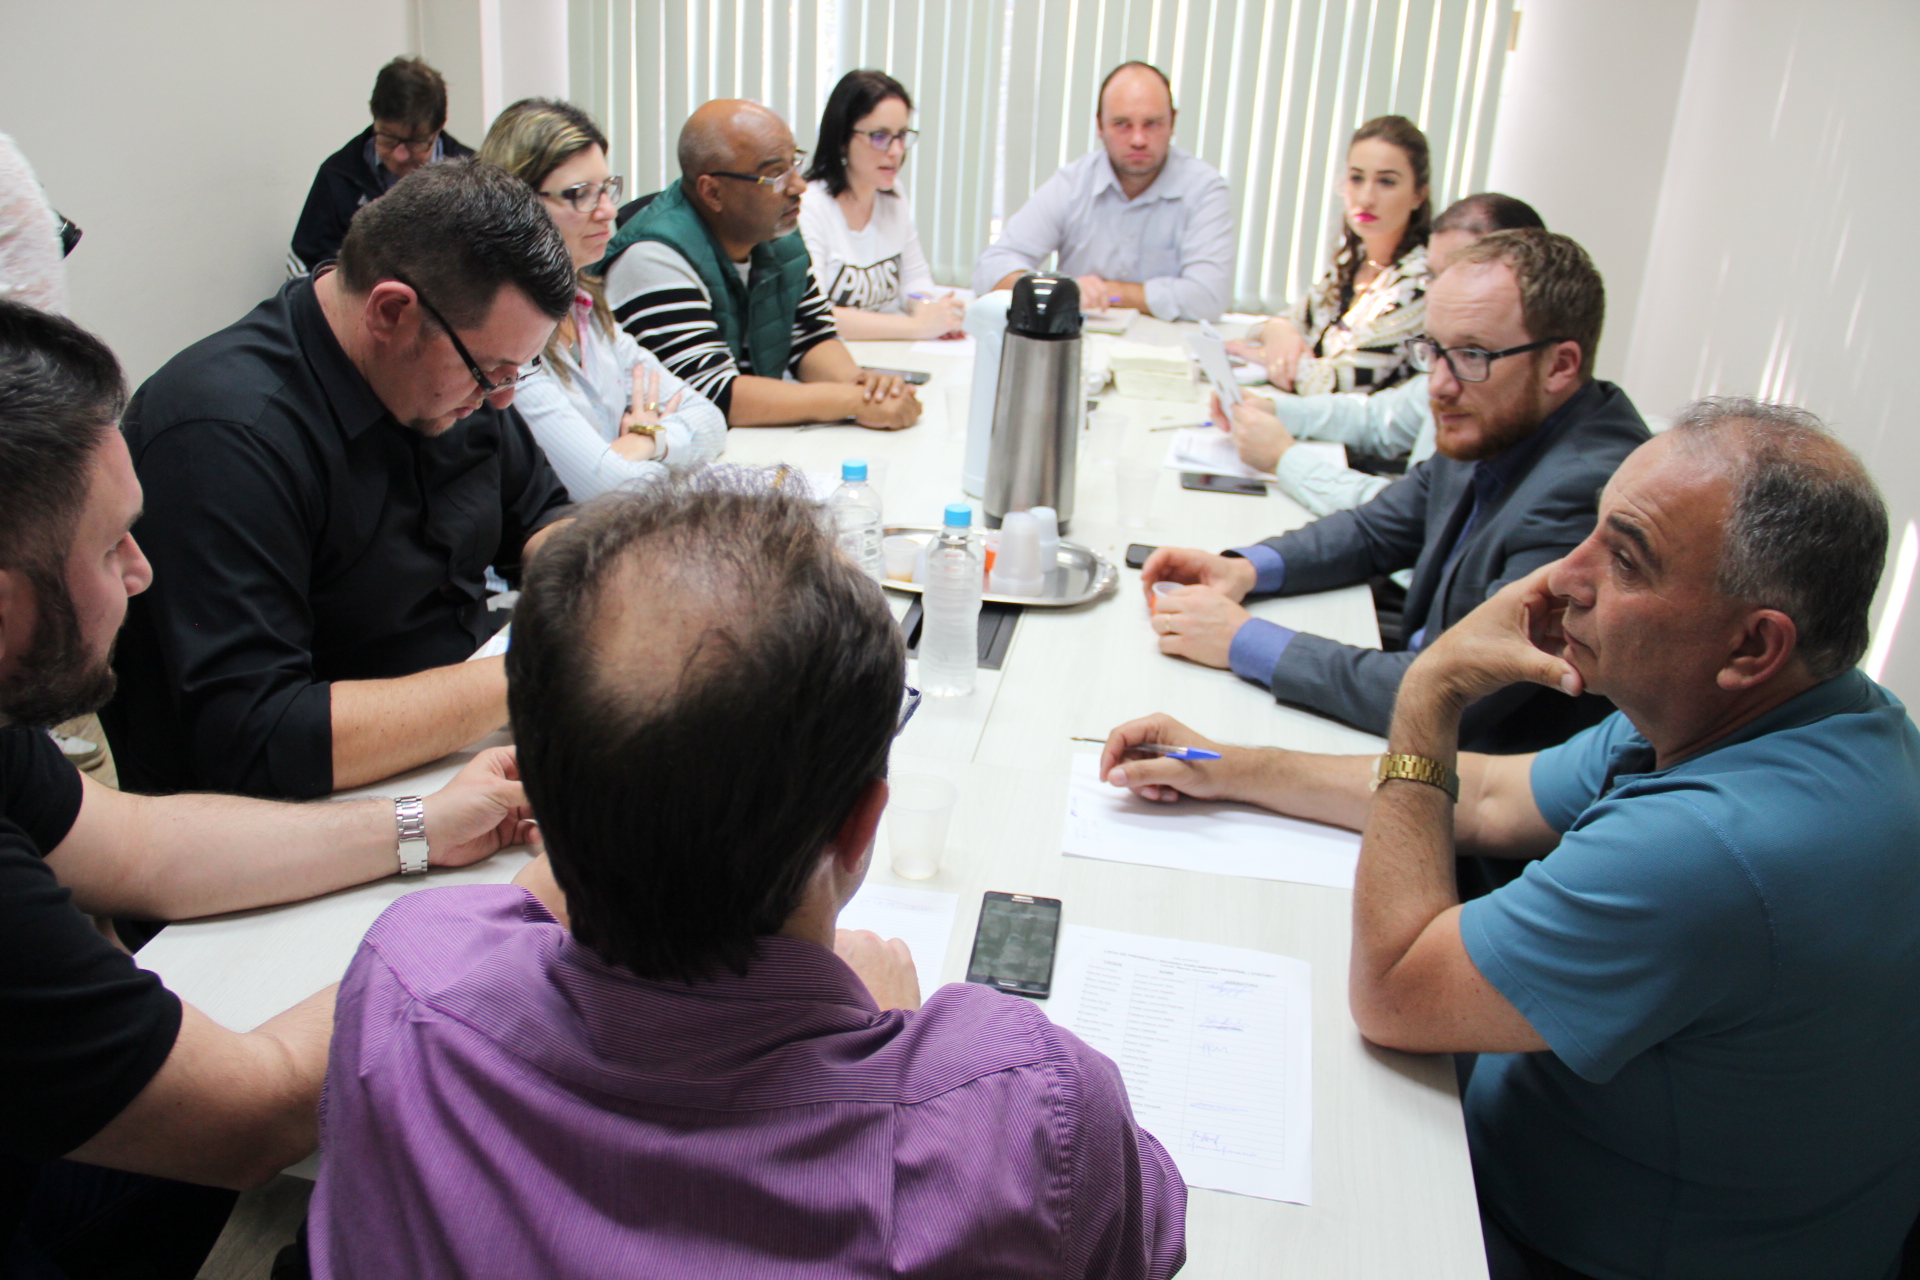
[
  {"x": 853, "y": 470},
  {"x": 959, "y": 516},
  {"x": 1045, "y": 306}
]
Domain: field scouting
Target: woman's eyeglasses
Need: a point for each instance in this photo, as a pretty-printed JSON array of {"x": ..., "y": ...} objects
[
  {"x": 881, "y": 139},
  {"x": 585, "y": 197}
]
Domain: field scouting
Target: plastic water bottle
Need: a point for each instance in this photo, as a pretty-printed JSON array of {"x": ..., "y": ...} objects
[
  {"x": 949, "y": 633},
  {"x": 856, "y": 519}
]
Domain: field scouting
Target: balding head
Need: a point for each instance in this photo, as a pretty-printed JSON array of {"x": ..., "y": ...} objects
[
  {"x": 702, "y": 688},
  {"x": 1806, "y": 528},
  {"x": 730, "y": 134}
]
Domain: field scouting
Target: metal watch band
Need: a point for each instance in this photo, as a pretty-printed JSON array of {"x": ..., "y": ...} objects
[
  {"x": 410, "y": 814},
  {"x": 1413, "y": 768}
]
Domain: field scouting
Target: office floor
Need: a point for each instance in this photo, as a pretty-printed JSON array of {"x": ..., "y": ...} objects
[{"x": 263, "y": 1222}]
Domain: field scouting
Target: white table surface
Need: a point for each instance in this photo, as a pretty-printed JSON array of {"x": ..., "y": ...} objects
[{"x": 1393, "y": 1189}]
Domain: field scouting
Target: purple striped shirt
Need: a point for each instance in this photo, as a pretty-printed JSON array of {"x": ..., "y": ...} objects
[{"x": 500, "y": 1102}]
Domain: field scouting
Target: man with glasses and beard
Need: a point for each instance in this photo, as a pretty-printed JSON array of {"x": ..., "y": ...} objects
[
  {"x": 142, "y": 1094},
  {"x": 1526, "y": 436},
  {"x": 713, "y": 277},
  {"x": 329, "y": 481}
]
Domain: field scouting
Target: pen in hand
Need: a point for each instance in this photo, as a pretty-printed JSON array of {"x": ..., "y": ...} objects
[{"x": 1162, "y": 749}]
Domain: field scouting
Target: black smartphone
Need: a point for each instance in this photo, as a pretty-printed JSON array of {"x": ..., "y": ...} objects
[
  {"x": 1207, "y": 482},
  {"x": 913, "y": 376},
  {"x": 1013, "y": 947},
  {"x": 1137, "y": 553}
]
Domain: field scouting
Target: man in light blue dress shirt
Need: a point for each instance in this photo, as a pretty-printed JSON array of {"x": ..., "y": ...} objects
[
  {"x": 1693, "y": 1012},
  {"x": 1139, "y": 223}
]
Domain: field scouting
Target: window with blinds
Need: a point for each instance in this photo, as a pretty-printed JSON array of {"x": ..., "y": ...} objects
[{"x": 1267, "y": 92}]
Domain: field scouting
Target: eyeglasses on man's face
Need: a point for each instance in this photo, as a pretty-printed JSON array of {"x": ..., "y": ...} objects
[
  {"x": 776, "y": 181},
  {"x": 415, "y": 146},
  {"x": 488, "y": 387},
  {"x": 882, "y": 139},
  {"x": 1468, "y": 364},
  {"x": 585, "y": 197}
]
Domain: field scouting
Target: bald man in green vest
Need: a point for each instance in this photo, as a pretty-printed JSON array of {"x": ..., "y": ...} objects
[{"x": 713, "y": 278}]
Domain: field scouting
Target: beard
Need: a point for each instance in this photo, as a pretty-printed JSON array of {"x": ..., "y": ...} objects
[
  {"x": 57, "y": 679},
  {"x": 1500, "y": 429}
]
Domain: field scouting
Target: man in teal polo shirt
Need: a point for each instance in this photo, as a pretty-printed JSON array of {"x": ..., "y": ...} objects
[
  {"x": 1694, "y": 1011},
  {"x": 712, "y": 277}
]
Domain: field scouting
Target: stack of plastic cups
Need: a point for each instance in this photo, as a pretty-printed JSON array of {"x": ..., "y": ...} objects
[
  {"x": 1049, "y": 538},
  {"x": 1017, "y": 570}
]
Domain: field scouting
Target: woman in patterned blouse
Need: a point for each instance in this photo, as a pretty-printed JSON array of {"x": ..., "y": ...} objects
[{"x": 1346, "y": 334}]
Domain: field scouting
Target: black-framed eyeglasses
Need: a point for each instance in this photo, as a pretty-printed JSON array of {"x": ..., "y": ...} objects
[
  {"x": 881, "y": 139},
  {"x": 909, "y": 703},
  {"x": 799, "y": 163},
  {"x": 1469, "y": 364},
  {"x": 411, "y": 144},
  {"x": 487, "y": 387},
  {"x": 585, "y": 197}
]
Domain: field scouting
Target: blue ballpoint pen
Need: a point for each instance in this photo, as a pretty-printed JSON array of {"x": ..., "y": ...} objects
[{"x": 1174, "y": 753}]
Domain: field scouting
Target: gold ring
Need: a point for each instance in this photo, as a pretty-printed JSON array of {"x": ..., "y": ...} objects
[{"x": 651, "y": 406}]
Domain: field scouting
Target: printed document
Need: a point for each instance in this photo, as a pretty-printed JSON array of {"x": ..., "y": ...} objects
[
  {"x": 1208, "y": 448},
  {"x": 1227, "y": 839},
  {"x": 921, "y": 918},
  {"x": 1215, "y": 1044}
]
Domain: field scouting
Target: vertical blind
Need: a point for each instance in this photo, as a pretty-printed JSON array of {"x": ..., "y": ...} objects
[{"x": 1268, "y": 92}]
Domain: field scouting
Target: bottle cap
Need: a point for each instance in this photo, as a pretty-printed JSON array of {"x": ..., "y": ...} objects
[
  {"x": 854, "y": 470},
  {"x": 959, "y": 516}
]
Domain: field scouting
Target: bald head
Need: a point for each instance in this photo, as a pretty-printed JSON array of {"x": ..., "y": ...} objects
[
  {"x": 731, "y": 134},
  {"x": 1137, "y": 88}
]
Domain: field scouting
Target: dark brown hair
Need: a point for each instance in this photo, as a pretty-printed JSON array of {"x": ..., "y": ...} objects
[
  {"x": 459, "y": 231},
  {"x": 1404, "y": 134},
  {"x": 408, "y": 91},
  {"x": 855, "y": 97}
]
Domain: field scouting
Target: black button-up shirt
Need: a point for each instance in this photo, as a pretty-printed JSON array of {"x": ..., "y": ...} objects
[{"x": 299, "y": 535}]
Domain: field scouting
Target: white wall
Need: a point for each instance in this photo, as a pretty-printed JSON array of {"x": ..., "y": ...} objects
[
  {"x": 1586, "y": 115},
  {"x": 1778, "y": 256},
  {"x": 182, "y": 138}
]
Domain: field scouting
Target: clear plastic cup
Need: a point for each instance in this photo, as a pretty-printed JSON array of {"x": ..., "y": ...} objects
[
  {"x": 919, "y": 810},
  {"x": 1161, "y": 590},
  {"x": 1134, "y": 483},
  {"x": 900, "y": 552}
]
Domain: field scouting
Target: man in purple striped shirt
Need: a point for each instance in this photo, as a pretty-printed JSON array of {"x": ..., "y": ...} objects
[{"x": 651, "y": 1061}]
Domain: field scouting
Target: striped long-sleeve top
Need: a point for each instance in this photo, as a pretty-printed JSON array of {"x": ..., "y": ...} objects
[{"x": 658, "y": 298}]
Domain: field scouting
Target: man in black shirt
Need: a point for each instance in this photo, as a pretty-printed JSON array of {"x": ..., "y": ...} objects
[
  {"x": 328, "y": 481},
  {"x": 409, "y": 107},
  {"x": 98, "y": 1061}
]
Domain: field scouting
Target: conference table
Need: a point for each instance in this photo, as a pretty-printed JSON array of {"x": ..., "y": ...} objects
[{"x": 1392, "y": 1190}]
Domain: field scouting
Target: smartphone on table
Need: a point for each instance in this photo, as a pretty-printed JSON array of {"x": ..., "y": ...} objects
[
  {"x": 1014, "y": 944},
  {"x": 913, "y": 376},
  {"x": 1209, "y": 482},
  {"x": 1137, "y": 553}
]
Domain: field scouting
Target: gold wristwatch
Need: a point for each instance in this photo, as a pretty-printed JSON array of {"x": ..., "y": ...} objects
[
  {"x": 647, "y": 429},
  {"x": 1416, "y": 769}
]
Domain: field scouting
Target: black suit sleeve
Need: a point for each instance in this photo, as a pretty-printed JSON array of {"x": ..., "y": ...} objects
[
  {"x": 1383, "y": 535},
  {"x": 232, "y": 549}
]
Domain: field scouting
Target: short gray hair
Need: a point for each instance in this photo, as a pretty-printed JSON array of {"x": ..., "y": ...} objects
[{"x": 1807, "y": 529}]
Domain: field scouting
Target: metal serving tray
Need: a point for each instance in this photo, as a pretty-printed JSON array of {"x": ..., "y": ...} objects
[{"x": 1083, "y": 573}]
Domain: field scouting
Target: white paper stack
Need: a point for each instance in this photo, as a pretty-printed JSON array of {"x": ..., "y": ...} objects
[{"x": 1150, "y": 372}]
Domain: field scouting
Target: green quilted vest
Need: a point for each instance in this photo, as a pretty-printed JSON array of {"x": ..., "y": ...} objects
[{"x": 756, "y": 324}]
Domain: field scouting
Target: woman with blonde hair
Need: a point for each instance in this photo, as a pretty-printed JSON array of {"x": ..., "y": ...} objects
[
  {"x": 1347, "y": 334},
  {"x": 606, "y": 411}
]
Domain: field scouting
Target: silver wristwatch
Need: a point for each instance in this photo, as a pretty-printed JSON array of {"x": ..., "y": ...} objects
[{"x": 410, "y": 813}]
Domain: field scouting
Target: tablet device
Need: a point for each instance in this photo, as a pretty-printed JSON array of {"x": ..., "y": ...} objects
[{"x": 1210, "y": 349}]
